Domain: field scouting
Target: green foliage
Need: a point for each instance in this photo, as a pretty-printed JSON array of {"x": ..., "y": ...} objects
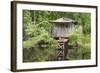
[
  {"x": 37, "y": 35},
  {"x": 38, "y": 45},
  {"x": 82, "y": 48}
]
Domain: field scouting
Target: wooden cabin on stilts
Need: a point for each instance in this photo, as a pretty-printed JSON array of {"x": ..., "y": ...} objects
[{"x": 62, "y": 27}]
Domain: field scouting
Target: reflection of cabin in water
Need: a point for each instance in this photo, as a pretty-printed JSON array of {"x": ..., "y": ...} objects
[{"x": 62, "y": 27}]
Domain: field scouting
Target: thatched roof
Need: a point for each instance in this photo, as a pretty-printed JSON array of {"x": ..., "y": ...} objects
[{"x": 63, "y": 20}]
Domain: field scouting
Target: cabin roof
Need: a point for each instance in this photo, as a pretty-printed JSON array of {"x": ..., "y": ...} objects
[{"x": 63, "y": 20}]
